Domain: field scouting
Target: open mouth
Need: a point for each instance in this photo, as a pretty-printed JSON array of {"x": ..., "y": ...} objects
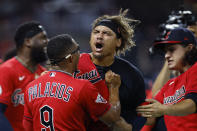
[{"x": 99, "y": 45}]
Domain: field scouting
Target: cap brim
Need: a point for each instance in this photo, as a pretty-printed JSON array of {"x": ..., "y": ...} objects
[
  {"x": 159, "y": 46},
  {"x": 167, "y": 42}
]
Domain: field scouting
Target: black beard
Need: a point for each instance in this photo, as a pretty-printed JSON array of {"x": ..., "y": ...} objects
[{"x": 38, "y": 55}]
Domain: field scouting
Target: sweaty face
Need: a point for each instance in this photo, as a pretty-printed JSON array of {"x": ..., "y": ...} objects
[
  {"x": 174, "y": 56},
  {"x": 38, "y": 50},
  {"x": 103, "y": 42}
]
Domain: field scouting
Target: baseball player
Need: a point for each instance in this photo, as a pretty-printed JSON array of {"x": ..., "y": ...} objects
[
  {"x": 178, "y": 97},
  {"x": 16, "y": 73},
  {"x": 111, "y": 36},
  {"x": 58, "y": 101}
]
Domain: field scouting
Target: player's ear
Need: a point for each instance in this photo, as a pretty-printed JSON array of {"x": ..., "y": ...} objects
[
  {"x": 28, "y": 42},
  {"x": 119, "y": 41},
  {"x": 70, "y": 59},
  {"x": 189, "y": 47}
]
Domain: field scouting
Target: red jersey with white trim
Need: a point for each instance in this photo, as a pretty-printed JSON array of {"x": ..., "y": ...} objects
[
  {"x": 13, "y": 79},
  {"x": 174, "y": 92},
  {"x": 88, "y": 71},
  {"x": 57, "y": 101}
]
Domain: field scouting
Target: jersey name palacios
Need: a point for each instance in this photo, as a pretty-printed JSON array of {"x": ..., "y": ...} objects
[{"x": 58, "y": 101}]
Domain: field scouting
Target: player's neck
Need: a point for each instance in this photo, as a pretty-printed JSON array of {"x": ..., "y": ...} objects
[
  {"x": 65, "y": 70},
  {"x": 26, "y": 61},
  {"x": 184, "y": 69},
  {"x": 105, "y": 61}
]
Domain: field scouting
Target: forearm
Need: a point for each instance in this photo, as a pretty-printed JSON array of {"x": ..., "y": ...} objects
[
  {"x": 182, "y": 108},
  {"x": 122, "y": 125},
  {"x": 114, "y": 98},
  {"x": 116, "y": 107},
  {"x": 113, "y": 115}
]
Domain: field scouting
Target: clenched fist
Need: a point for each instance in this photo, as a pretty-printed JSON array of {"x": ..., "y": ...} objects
[{"x": 112, "y": 79}]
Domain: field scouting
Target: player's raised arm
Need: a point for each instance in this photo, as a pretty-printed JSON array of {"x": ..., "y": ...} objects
[
  {"x": 112, "y": 117},
  {"x": 113, "y": 81}
]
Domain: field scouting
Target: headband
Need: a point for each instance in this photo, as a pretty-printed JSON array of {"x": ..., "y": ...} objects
[
  {"x": 34, "y": 31},
  {"x": 110, "y": 24}
]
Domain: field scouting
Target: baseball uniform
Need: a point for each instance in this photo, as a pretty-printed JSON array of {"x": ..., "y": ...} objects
[
  {"x": 58, "y": 101},
  {"x": 13, "y": 79},
  {"x": 175, "y": 91}
]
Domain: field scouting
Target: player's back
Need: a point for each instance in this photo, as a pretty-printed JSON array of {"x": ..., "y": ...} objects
[{"x": 53, "y": 102}]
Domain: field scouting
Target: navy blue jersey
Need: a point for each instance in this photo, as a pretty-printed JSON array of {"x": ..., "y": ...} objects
[{"x": 132, "y": 90}]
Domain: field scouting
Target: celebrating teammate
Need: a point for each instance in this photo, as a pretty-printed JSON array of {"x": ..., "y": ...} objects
[
  {"x": 178, "y": 97},
  {"x": 110, "y": 37},
  {"x": 58, "y": 101},
  {"x": 16, "y": 73}
]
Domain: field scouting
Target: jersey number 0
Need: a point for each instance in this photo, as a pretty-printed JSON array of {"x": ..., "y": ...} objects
[{"x": 48, "y": 123}]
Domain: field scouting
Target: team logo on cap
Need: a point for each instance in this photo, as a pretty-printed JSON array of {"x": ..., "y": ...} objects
[
  {"x": 100, "y": 99},
  {"x": 167, "y": 35}
]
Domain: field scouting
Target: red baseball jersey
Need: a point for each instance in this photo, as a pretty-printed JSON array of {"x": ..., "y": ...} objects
[
  {"x": 13, "y": 79},
  {"x": 174, "y": 92},
  {"x": 58, "y": 101},
  {"x": 87, "y": 70}
]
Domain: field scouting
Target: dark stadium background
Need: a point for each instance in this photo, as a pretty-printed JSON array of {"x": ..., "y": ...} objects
[{"x": 75, "y": 17}]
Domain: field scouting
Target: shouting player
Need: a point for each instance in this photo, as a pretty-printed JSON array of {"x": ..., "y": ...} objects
[
  {"x": 110, "y": 37},
  {"x": 178, "y": 97},
  {"x": 58, "y": 101},
  {"x": 16, "y": 73}
]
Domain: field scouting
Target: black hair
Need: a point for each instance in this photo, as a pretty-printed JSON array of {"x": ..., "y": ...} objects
[
  {"x": 191, "y": 56},
  {"x": 58, "y": 47},
  {"x": 26, "y": 30}
]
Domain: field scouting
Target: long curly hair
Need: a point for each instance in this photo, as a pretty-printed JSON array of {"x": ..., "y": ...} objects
[{"x": 126, "y": 27}]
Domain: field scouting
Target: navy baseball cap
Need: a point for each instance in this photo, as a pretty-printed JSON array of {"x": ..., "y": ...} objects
[{"x": 176, "y": 36}]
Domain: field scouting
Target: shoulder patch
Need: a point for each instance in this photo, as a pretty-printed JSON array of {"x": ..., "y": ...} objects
[
  {"x": 100, "y": 99},
  {"x": 52, "y": 74}
]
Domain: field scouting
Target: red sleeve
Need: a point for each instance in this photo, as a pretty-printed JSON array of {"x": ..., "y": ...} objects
[
  {"x": 93, "y": 102},
  {"x": 6, "y": 85},
  {"x": 27, "y": 106},
  {"x": 192, "y": 81},
  {"x": 28, "y": 125}
]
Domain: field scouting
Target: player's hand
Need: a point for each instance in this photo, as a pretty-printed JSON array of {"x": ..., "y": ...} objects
[
  {"x": 154, "y": 109},
  {"x": 113, "y": 83},
  {"x": 112, "y": 79}
]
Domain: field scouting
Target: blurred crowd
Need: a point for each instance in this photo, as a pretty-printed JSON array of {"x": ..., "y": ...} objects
[{"x": 74, "y": 17}]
